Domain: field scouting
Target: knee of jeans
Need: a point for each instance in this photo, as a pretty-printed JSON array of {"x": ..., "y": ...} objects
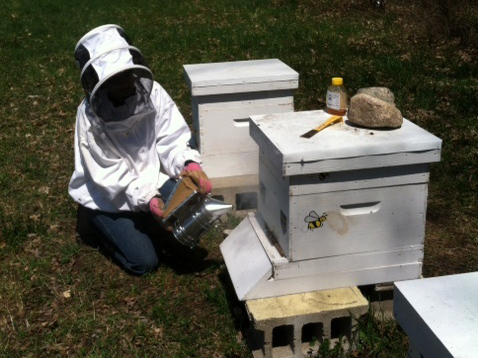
[{"x": 146, "y": 265}]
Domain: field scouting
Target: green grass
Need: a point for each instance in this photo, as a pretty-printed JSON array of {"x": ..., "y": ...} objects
[{"x": 188, "y": 308}]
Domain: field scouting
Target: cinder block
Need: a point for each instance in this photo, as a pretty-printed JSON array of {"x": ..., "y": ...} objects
[{"x": 296, "y": 325}]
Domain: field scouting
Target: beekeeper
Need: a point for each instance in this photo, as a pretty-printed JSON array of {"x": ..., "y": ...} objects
[{"x": 131, "y": 142}]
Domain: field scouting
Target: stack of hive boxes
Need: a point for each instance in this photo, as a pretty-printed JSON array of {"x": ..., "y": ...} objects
[{"x": 224, "y": 96}]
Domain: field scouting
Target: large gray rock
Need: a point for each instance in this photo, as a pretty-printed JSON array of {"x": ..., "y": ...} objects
[
  {"x": 372, "y": 112},
  {"x": 382, "y": 93}
]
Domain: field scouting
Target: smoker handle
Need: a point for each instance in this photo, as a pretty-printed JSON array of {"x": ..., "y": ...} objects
[{"x": 360, "y": 209}]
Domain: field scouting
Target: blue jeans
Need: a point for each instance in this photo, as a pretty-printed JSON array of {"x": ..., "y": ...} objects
[{"x": 131, "y": 239}]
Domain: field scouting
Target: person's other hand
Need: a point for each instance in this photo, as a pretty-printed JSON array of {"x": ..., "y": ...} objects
[
  {"x": 156, "y": 206},
  {"x": 199, "y": 177}
]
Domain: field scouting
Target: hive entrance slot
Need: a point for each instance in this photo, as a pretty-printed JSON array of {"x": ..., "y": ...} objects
[
  {"x": 241, "y": 122},
  {"x": 360, "y": 209},
  {"x": 246, "y": 201}
]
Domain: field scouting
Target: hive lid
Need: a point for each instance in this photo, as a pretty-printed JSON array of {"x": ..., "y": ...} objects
[
  {"x": 427, "y": 308},
  {"x": 240, "y": 76},
  {"x": 342, "y": 146}
]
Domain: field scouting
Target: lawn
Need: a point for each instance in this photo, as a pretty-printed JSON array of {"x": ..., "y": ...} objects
[{"x": 62, "y": 299}]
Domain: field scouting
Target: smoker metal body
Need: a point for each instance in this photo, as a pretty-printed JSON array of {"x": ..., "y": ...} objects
[
  {"x": 193, "y": 216},
  {"x": 345, "y": 207}
]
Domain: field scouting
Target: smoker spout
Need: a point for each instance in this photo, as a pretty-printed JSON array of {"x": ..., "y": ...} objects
[{"x": 216, "y": 208}]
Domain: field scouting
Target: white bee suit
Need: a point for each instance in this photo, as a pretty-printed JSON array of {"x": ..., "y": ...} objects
[{"x": 121, "y": 164}]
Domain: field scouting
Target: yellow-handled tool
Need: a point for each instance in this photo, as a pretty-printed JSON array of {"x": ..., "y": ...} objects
[{"x": 328, "y": 122}]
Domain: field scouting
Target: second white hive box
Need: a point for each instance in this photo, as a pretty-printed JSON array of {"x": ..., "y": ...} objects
[
  {"x": 224, "y": 96},
  {"x": 439, "y": 315}
]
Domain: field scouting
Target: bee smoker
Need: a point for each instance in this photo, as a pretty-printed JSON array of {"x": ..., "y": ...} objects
[{"x": 191, "y": 214}]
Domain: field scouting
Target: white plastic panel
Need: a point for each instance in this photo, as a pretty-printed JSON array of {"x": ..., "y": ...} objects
[
  {"x": 440, "y": 314},
  {"x": 246, "y": 259}
]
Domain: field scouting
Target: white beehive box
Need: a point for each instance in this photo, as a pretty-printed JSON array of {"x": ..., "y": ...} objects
[
  {"x": 439, "y": 315},
  {"x": 224, "y": 96},
  {"x": 343, "y": 208},
  {"x": 347, "y": 190}
]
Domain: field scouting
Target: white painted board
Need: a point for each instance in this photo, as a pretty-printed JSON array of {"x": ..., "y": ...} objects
[
  {"x": 352, "y": 179},
  {"x": 223, "y": 126},
  {"x": 227, "y": 165},
  {"x": 331, "y": 280},
  {"x": 440, "y": 314},
  {"x": 375, "y": 219},
  {"x": 348, "y": 263},
  {"x": 342, "y": 146},
  {"x": 240, "y": 76},
  {"x": 342, "y": 222},
  {"x": 246, "y": 260}
]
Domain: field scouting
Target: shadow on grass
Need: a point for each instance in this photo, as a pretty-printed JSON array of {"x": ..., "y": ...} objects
[
  {"x": 184, "y": 261},
  {"x": 181, "y": 259},
  {"x": 235, "y": 307}
]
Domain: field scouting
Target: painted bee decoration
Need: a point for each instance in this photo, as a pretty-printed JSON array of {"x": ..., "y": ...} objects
[{"x": 314, "y": 221}]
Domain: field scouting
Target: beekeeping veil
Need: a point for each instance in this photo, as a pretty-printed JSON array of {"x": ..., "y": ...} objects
[{"x": 113, "y": 73}]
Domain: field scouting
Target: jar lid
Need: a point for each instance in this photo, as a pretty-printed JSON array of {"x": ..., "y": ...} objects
[{"x": 337, "y": 81}]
